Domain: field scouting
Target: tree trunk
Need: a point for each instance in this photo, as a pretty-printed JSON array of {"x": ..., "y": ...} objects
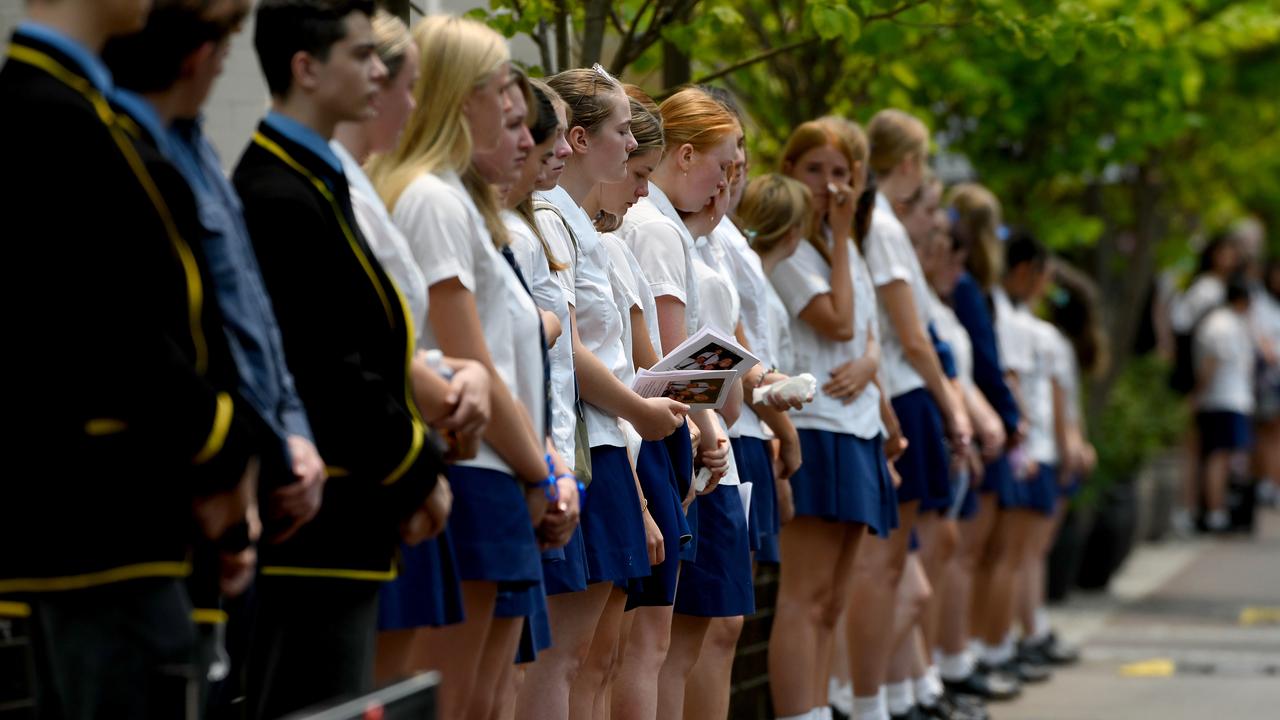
[
  {"x": 676, "y": 67},
  {"x": 563, "y": 60},
  {"x": 593, "y": 27}
]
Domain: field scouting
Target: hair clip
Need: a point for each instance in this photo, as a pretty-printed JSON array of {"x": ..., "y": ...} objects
[{"x": 599, "y": 70}]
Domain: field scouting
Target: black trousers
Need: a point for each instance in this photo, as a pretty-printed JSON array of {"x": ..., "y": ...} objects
[
  {"x": 313, "y": 643},
  {"x": 123, "y": 650}
]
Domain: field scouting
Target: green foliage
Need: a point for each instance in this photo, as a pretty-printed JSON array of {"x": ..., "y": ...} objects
[{"x": 1142, "y": 416}]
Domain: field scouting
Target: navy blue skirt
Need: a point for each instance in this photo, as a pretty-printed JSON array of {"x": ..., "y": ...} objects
[
  {"x": 756, "y": 467},
  {"x": 924, "y": 466},
  {"x": 528, "y": 601},
  {"x": 680, "y": 450},
  {"x": 845, "y": 478},
  {"x": 426, "y": 592},
  {"x": 1072, "y": 488},
  {"x": 490, "y": 529},
  {"x": 564, "y": 570},
  {"x": 658, "y": 481},
  {"x": 1223, "y": 430},
  {"x": 1040, "y": 491},
  {"x": 719, "y": 583},
  {"x": 998, "y": 478},
  {"x": 612, "y": 527}
]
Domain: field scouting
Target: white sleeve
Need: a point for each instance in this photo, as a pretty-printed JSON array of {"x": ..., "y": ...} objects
[
  {"x": 886, "y": 246},
  {"x": 561, "y": 244},
  {"x": 800, "y": 278},
  {"x": 439, "y": 233},
  {"x": 659, "y": 249},
  {"x": 622, "y": 269},
  {"x": 716, "y": 301}
]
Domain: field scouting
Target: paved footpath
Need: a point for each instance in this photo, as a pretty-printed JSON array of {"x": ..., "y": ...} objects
[{"x": 1189, "y": 630}]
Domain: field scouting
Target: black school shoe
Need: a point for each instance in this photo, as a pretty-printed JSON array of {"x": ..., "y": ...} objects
[
  {"x": 985, "y": 684},
  {"x": 947, "y": 708},
  {"x": 1025, "y": 673},
  {"x": 1055, "y": 652}
]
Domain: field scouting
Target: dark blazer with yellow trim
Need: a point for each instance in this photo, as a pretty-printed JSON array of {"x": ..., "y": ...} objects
[
  {"x": 120, "y": 397},
  {"x": 348, "y": 332}
]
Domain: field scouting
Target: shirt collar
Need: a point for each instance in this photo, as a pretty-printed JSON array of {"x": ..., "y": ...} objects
[
  {"x": 304, "y": 136},
  {"x": 665, "y": 206},
  {"x": 90, "y": 65},
  {"x": 145, "y": 115},
  {"x": 882, "y": 202}
]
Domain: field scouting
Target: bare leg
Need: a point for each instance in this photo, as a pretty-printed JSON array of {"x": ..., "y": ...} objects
[
  {"x": 394, "y": 656},
  {"x": 812, "y": 592},
  {"x": 1217, "y": 468},
  {"x": 687, "y": 634},
  {"x": 508, "y": 690},
  {"x": 586, "y": 698},
  {"x": 939, "y": 537},
  {"x": 877, "y": 571},
  {"x": 496, "y": 661},
  {"x": 573, "y": 617},
  {"x": 912, "y": 602},
  {"x": 455, "y": 650},
  {"x": 635, "y": 689},
  {"x": 959, "y": 583},
  {"x": 707, "y": 693},
  {"x": 1009, "y": 542}
]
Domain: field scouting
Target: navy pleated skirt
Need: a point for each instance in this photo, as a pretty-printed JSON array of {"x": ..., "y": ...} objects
[
  {"x": 1040, "y": 491},
  {"x": 756, "y": 467},
  {"x": 527, "y": 601},
  {"x": 680, "y": 449},
  {"x": 998, "y": 478},
  {"x": 490, "y": 529},
  {"x": 845, "y": 478},
  {"x": 719, "y": 583},
  {"x": 658, "y": 481},
  {"x": 612, "y": 527},
  {"x": 426, "y": 592},
  {"x": 564, "y": 570},
  {"x": 924, "y": 467}
]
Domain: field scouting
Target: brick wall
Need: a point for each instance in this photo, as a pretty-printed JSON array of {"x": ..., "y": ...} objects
[{"x": 749, "y": 698}]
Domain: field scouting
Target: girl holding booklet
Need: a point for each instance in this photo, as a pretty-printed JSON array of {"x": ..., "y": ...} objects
[
  {"x": 687, "y": 195},
  {"x": 843, "y": 485},
  {"x": 622, "y": 539}
]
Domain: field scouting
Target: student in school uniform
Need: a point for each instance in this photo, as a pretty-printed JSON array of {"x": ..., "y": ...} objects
[
  {"x": 1225, "y": 356},
  {"x": 622, "y": 536},
  {"x": 431, "y": 566},
  {"x": 1030, "y": 359},
  {"x": 440, "y": 197},
  {"x": 842, "y": 488},
  {"x": 646, "y": 627},
  {"x": 156, "y": 407},
  {"x": 692, "y": 178},
  {"x": 977, "y": 225},
  {"x": 318, "y": 592}
]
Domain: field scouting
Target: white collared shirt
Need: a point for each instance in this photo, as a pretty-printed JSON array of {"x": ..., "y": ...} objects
[
  {"x": 798, "y": 280},
  {"x": 595, "y": 309},
  {"x": 448, "y": 239},
  {"x": 891, "y": 258},
  {"x": 634, "y": 288},
  {"x": 1225, "y": 336},
  {"x": 384, "y": 238},
  {"x": 549, "y": 295},
  {"x": 662, "y": 245}
]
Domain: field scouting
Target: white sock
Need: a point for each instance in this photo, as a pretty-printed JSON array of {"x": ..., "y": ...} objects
[
  {"x": 875, "y": 707},
  {"x": 956, "y": 667},
  {"x": 1042, "y": 626},
  {"x": 1218, "y": 520},
  {"x": 997, "y": 655},
  {"x": 900, "y": 697},
  {"x": 840, "y": 695},
  {"x": 823, "y": 713},
  {"x": 928, "y": 688}
]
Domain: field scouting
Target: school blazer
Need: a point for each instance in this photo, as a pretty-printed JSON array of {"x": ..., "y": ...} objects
[
  {"x": 347, "y": 332},
  {"x": 119, "y": 387}
]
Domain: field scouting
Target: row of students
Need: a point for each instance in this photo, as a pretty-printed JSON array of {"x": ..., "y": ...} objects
[{"x": 441, "y": 277}]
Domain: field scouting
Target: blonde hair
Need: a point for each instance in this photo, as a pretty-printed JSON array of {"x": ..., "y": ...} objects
[
  {"x": 895, "y": 136},
  {"x": 977, "y": 222},
  {"x": 823, "y": 133},
  {"x": 457, "y": 56},
  {"x": 392, "y": 40},
  {"x": 581, "y": 90},
  {"x": 772, "y": 205},
  {"x": 646, "y": 122},
  {"x": 693, "y": 117}
]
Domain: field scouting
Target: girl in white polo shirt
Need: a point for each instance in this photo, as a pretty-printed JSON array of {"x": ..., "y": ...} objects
[{"x": 478, "y": 309}]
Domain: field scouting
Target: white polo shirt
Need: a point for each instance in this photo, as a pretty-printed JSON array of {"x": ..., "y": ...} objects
[
  {"x": 1224, "y": 335},
  {"x": 448, "y": 239},
  {"x": 549, "y": 295},
  {"x": 663, "y": 246},
  {"x": 596, "y": 312},
  {"x": 384, "y": 238},
  {"x": 798, "y": 280},
  {"x": 747, "y": 273},
  {"x": 890, "y": 258}
]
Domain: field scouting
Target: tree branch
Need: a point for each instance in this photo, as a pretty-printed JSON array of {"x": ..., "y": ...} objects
[{"x": 760, "y": 57}]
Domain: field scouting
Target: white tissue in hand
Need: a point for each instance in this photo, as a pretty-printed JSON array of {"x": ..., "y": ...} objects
[
  {"x": 701, "y": 479},
  {"x": 801, "y": 388}
]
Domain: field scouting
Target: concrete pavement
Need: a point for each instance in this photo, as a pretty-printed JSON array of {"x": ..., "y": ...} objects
[{"x": 1189, "y": 630}]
